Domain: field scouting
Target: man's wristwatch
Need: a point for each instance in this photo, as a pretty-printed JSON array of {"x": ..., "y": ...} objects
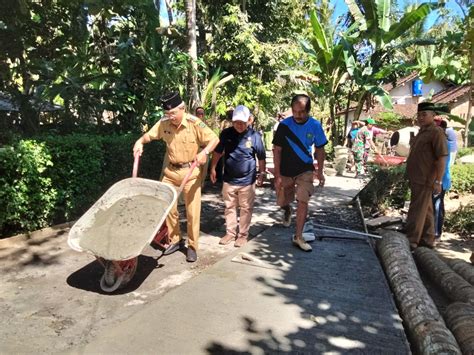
[{"x": 206, "y": 151}]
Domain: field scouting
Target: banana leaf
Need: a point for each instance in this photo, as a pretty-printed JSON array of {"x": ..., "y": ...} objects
[{"x": 408, "y": 20}]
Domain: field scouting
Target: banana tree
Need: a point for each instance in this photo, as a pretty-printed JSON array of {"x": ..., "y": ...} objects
[
  {"x": 329, "y": 65},
  {"x": 371, "y": 42},
  {"x": 209, "y": 91}
]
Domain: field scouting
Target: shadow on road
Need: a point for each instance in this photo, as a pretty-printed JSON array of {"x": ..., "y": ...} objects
[{"x": 88, "y": 277}]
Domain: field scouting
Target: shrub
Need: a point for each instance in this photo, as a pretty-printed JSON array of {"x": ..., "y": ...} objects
[
  {"x": 76, "y": 172},
  {"x": 27, "y": 195},
  {"x": 461, "y": 221},
  {"x": 462, "y": 177},
  {"x": 464, "y": 151},
  {"x": 329, "y": 149},
  {"x": 388, "y": 187},
  {"x": 57, "y": 178}
]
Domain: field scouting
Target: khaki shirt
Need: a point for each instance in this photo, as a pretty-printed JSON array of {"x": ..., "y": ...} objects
[
  {"x": 182, "y": 143},
  {"x": 427, "y": 146}
]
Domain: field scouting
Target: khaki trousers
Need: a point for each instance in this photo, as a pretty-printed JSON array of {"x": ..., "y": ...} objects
[
  {"x": 301, "y": 186},
  {"x": 420, "y": 219},
  {"x": 192, "y": 201},
  {"x": 242, "y": 197}
]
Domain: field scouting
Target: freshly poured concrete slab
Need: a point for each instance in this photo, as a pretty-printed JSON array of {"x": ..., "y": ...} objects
[{"x": 334, "y": 299}]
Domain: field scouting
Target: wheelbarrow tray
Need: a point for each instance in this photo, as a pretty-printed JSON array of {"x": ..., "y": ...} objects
[
  {"x": 124, "y": 220},
  {"x": 389, "y": 160}
]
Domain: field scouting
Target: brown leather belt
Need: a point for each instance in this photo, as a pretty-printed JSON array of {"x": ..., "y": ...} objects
[{"x": 181, "y": 166}]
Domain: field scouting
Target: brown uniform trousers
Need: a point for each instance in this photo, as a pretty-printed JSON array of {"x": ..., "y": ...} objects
[
  {"x": 192, "y": 201},
  {"x": 420, "y": 219},
  {"x": 427, "y": 146},
  {"x": 183, "y": 144}
]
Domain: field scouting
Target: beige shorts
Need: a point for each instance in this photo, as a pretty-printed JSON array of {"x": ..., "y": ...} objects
[{"x": 301, "y": 186}]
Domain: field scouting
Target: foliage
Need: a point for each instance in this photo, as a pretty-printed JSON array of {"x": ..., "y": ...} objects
[
  {"x": 53, "y": 179},
  {"x": 388, "y": 187},
  {"x": 464, "y": 151},
  {"x": 27, "y": 194},
  {"x": 461, "y": 221},
  {"x": 329, "y": 150},
  {"x": 370, "y": 49},
  {"x": 389, "y": 120},
  {"x": 462, "y": 178}
]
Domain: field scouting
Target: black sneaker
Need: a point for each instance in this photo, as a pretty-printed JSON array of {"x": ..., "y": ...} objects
[{"x": 191, "y": 255}]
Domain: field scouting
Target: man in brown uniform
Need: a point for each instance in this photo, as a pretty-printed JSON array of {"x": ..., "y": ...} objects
[
  {"x": 184, "y": 134},
  {"x": 425, "y": 169}
]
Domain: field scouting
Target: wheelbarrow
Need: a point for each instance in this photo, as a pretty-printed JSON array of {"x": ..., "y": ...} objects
[
  {"x": 388, "y": 160},
  {"x": 126, "y": 218}
]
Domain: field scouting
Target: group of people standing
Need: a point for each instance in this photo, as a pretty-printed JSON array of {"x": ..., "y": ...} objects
[
  {"x": 188, "y": 139},
  {"x": 360, "y": 140}
]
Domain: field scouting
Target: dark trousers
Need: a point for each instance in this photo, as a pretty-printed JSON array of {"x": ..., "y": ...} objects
[
  {"x": 438, "y": 207},
  {"x": 420, "y": 219}
]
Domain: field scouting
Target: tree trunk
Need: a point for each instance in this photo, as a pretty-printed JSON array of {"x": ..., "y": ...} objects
[
  {"x": 471, "y": 95},
  {"x": 170, "y": 11},
  {"x": 243, "y": 5},
  {"x": 453, "y": 285},
  {"x": 346, "y": 116},
  {"x": 192, "y": 52},
  {"x": 463, "y": 268},
  {"x": 423, "y": 321},
  {"x": 335, "y": 138},
  {"x": 360, "y": 105}
]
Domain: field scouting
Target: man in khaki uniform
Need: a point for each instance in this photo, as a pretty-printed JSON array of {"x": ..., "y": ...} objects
[
  {"x": 425, "y": 169},
  {"x": 184, "y": 134}
]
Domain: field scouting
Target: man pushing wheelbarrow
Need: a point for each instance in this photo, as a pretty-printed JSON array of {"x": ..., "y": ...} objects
[
  {"x": 131, "y": 213},
  {"x": 184, "y": 135}
]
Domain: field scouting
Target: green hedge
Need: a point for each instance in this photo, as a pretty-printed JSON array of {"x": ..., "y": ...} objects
[
  {"x": 53, "y": 179},
  {"x": 461, "y": 221},
  {"x": 462, "y": 177}
]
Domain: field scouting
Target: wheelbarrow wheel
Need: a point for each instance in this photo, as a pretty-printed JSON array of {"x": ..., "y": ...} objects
[{"x": 118, "y": 274}]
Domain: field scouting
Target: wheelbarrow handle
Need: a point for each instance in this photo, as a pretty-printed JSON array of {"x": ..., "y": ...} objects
[
  {"x": 136, "y": 160},
  {"x": 186, "y": 178}
]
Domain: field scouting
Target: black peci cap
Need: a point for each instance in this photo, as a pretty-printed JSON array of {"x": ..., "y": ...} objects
[
  {"x": 171, "y": 100},
  {"x": 437, "y": 108},
  {"x": 426, "y": 106}
]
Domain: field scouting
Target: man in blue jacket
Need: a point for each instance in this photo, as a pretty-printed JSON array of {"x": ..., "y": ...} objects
[
  {"x": 292, "y": 148},
  {"x": 239, "y": 144}
]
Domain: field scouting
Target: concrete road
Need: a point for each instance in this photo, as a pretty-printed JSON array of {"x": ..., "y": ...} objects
[{"x": 334, "y": 299}]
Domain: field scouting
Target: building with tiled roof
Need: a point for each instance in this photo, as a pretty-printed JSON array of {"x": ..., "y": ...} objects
[
  {"x": 409, "y": 90},
  {"x": 457, "y": 98}
]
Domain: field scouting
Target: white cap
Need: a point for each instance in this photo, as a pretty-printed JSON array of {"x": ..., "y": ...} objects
[{"x": 241, "y": 113}]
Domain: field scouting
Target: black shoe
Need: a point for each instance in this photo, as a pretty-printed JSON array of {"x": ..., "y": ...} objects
[
  {"x": 286, "y": 216},
  {"x": 191, "y": 255},
  {"x": 173, "y": 247}
]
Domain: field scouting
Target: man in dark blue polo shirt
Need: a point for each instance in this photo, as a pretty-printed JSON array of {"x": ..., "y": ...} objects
[
  {"x": 292, "y": 147},
  {"x": 239, "y": 144}
]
